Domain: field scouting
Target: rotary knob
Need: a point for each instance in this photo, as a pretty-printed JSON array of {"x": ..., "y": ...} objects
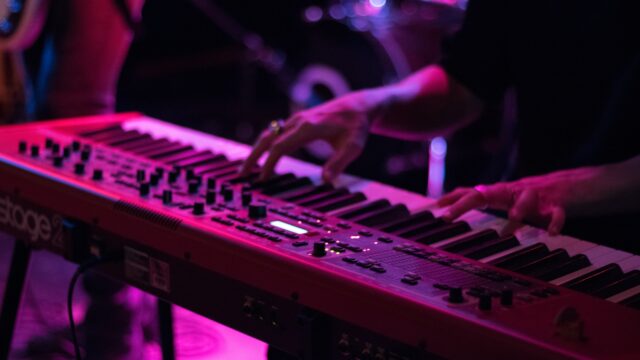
[
  {"x": 210, "y": 197},
  {"x": 484, "y": 302},
  {"x": 144, "y": 188},
  {"x": 85, "y": 154},
  {"x": 319, "y": 249},
  {"x": 247, "y": 197},
  {"x": 455, "y": 295},
  {"x": 257, "y": 211},
  {"x": 78, "y": 169},
  {"x": 97, "y": 174},
  {"x": 198, "y": 208},
  {"x": 58, "y": 161},
  {"x": 227, "y": 193},
  {"x": 22, "y": 147},
  {"x": 35, "y": 151},
  {"x": 193, "y": 187}
]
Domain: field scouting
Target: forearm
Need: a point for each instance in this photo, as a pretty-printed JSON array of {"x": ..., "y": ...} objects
[
  {"x": 426, "y": 104},
  {"x": 615, "y": 188}
]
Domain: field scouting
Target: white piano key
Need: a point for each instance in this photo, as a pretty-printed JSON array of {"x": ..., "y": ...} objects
[
  {"x": 631, "y": 263},
  {"x": 624, "y": 295}
]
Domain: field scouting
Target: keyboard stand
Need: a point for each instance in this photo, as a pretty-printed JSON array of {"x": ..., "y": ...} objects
[{"x": 13, "y": 295}]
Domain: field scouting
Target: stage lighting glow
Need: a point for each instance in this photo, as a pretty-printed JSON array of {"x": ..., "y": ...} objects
[{"x": 378, "y": 3}]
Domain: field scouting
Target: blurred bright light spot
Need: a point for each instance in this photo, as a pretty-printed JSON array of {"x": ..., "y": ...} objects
[
  {"x": 438, "y": 148},
  {"x": 377, "y": 3},
  {"x": 313, "y": 13},
  {"x": 437, "y": 154},
  {"x": 337, "y": 12}
]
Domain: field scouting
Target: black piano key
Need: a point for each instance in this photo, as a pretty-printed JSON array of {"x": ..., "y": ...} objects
[
  {"x": 91, "y": 133},
  {"x": 596, "y": 279},
  {"x": 444, "y": 232},
  {"x": 364, "y": 209},
  {"x": 521, "y": 256},
  {"x": 632, "y": 301},
  {"x": 304, "y": 192},
  {"x": 145, "y": 145},
  {"x": 575, "y": 263},
  {"x": 209, "y": 170},
  {"x": 339, "y": 202},
  {"x": 399, "y": 224},
  {"x": 550, "y": 260},
  {"x": 106, "y": 137},
  {"x": 171, "y": 160},
  {"x": 418, "y": 229},
  {"x": 168, "y": 152},
  {"x": 274, "y": 180},
  {"x": 129, "y": 139},
  {"x": 628, "y": 280},
  {"x": 236, "y": 178},
  {"x": 157, "y": 149},
  {"x": 382, "y": 215},
  {"x": 471, "y": 240},
  {"x": 308, "y": 201},
  {"x": 136, "y": 143},
  {"x": 194, "y": 163},
  {"x": 286, "y": 186},
  {"x": 489, "y": 248}
]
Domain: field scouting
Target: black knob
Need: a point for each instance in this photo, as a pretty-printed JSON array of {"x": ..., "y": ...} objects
[
  {"x": 159, "y": 171},
  {"x": 173, "y": 176},
  {"x": 227, "y": 193},
  {"x": 144, "y": 188},
  {"x": 141, "y": 175},
  {"x": 190, "y": 174},
  {"x": 193, "y": 187},
  {"x": 167, "y": 197},
  {"x": 79, "y": 168},
  {"x": 58, "y": 161},
  {"x": 319, "y": 249},
  {"x": 22, "y": 147},
  {"x": 210, "y": 197},
  {"x": 455, "y": 295},
  {"x": 66, "y": 152},
  {"x": 211, "y": 183},
  {"x": 484, "y": 302},
  {"x": 506, "y": 297},
  {"x": 154, "y": 179},
  {"x": 35, "y": 150},
  {"x": 55, "y": 148},
  {"x": 257, "y": 211},
  {"x": 246, "y": 198},
  {"x": 48, "y": 143},
  {"x": 85, "y": 154},
  {"x": 75, "y": 145},
  {"x": 97, "y": 174},
  {"x": 198, "y": 208}
]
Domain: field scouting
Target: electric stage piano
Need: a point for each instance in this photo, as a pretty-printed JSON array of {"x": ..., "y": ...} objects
[{"x": 357, "y": 270}]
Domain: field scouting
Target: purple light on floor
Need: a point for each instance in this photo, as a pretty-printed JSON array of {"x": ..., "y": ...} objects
[{"x": 437, "y": 155}]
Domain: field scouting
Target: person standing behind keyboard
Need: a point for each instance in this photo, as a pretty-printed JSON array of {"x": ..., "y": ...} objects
[{"x": 575, "y": 70}]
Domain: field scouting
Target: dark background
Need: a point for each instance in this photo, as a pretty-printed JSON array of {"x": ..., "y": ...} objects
[{"x": 184, "y": 68}]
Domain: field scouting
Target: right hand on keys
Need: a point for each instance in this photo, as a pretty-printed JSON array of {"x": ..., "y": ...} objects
[{"x": 343, "y": 122}]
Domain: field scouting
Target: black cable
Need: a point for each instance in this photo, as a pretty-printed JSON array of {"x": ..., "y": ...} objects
[{"x": 91, "y": 262}]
